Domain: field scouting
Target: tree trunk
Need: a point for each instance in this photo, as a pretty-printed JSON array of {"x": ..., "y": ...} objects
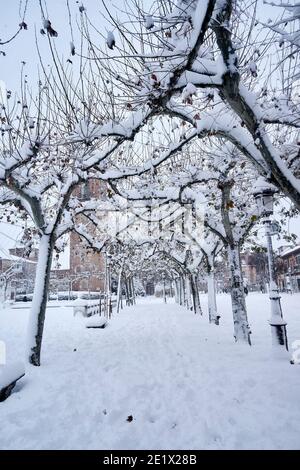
[
  {"x": 240, "y": 320},
  {"x": 133, "y": 291},
  {"x": 39, "y": 301},
  {"x": 177, "y": 291},
  {"x": 121, "y": 303},
  {"x": 195, "y": 295},
  {"x": 164, "y": 291},
  {"x": 212, "y": 300},
  {"x": 130, "y": 291},
  {"x": 127, "y": 292},
  {"x": 189, "y": 303},
  {"x": 3, "y": 290},
  {"x": 181, "y": 291},
  {"x": 119, "y": 291}
]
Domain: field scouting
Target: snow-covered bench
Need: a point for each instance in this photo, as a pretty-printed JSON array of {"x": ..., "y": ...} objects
[
  {"x": 98, "y": 322},
  {"x": 9, "y": 375}
]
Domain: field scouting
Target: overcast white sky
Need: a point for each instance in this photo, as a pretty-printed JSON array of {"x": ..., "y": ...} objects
[{"x": 23, "y": 48}]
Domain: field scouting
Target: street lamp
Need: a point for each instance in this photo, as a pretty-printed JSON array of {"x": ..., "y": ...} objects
[{"x": 264, "y": 195}]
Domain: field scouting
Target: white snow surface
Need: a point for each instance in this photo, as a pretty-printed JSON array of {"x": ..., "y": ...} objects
[
  {"x": 95, "y": 322},
  {"x": 11, "y": 372},
  {"x": 185, "y": 382}
]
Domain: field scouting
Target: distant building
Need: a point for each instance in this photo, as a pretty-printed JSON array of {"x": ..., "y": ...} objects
[
  {"x": 289, "y": 269},
  {"x": 255, "y": 271},
  {"x": 283, "y": 248},
  {"x": 83, "y": 271},
  {"x": 17, "y": 274},
  {"x": 87, "y": 268}
]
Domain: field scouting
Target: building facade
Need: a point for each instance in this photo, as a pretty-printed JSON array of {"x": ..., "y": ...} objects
[
  {"x": 255, "y": 272},
  {"x": 289, "y": 270},
  {"x": 17, "y": 274},
  {"x": 87, "y": 268}
]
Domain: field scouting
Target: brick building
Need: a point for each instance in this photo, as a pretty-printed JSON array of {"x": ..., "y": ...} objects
[
  {"x": 254, "y": 267},
  {"x": 289, "y": 269},
  {"x": 87, "y": 268},
  {"x": 82, "y": 269}
]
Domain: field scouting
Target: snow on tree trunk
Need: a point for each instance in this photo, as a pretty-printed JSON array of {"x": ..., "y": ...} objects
[
  {"x": 130, "y": 291},
  {"x": 119, "y": 291},
  {"x": 3, "y": 290},
  {"x": 179, "y": 287},
  {"x": 240, "y": 320},
  {"x": 181, "y": 291},
  {"x": 39, "y": 301},
  {"x": 212, "y": 299},
  {"x": 177, "y": 291},
  {"x": 189, "y": 301},
  {"x": 126, "y": 292},
  {"x": 195, "y": 295},
  {"x": 133, "y": 292}
]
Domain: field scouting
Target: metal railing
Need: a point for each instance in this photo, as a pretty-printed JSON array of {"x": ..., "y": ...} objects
[{"x": 99, "y": 307}]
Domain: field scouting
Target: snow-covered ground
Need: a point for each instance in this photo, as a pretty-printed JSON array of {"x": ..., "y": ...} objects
[{"x": 186, "y": 384}]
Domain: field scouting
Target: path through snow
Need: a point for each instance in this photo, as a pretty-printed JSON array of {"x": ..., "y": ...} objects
[{"x": 185, "y": 382}]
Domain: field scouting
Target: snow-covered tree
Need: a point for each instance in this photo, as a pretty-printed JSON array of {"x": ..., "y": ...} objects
[
  {"x": 210, "y": 247},
  {"x": 205, "y": 62},
  {"x": 47, "y": 152}
]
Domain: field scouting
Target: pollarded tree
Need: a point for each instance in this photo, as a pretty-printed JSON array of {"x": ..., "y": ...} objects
[
  {"x": 229, "y": 215},
  {"x": 48, "y": 149},
  {"x": 185, "y": 258},
  {"x": 220, "y": 49},
  {"x": 154, "y": 221},
  {"x": 210, "y": 247}
]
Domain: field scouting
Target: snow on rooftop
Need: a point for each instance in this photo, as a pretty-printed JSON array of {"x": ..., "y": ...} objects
[
  {"x": 18, "y": 259},
  {"x": 290, "y": 251},
  {"x": 263, "y": 185}
]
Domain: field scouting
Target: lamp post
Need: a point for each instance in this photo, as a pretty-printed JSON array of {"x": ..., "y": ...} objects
[{"x": 264, "y": 196}]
